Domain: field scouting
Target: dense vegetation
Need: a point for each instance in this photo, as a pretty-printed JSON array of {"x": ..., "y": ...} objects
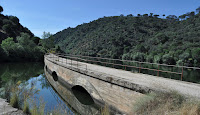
[
  {"x": 11, "y": 27},
  {"x": 170, "y": 40},
  {"x": 17, "y": 43}
]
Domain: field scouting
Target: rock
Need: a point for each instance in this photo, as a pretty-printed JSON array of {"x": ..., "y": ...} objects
[{"x": 6, "y": 109}]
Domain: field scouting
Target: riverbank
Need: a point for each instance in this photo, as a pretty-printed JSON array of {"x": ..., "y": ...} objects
[
  {"x": 171, "y": 103},
  {"x": 6, "y": 109}
]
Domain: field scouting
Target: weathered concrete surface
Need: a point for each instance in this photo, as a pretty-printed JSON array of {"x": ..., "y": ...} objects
[
  {"x": 119, "y": 99},
  {"x": 6, "y": 109},
  {"x": 120, "y": 88},
  {"x": 136, "y": 81},
  {"x": 69, "y": 98}
]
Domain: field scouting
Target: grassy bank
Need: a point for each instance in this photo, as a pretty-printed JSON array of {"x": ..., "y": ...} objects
[
  {"x": 22, "y": 96},
  {"x": 171, "y": 103}
]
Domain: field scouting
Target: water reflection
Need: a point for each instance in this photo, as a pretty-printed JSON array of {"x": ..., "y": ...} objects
[
  {"x": 31, "y": 74},
  {"x": 55, "y": 96},
  {"x": 11, "y": 73},
  {"x": 77, "y": 98},
  {"x": 82, "y": 95}
]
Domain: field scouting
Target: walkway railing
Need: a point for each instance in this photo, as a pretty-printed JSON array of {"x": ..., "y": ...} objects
[
  {"x": 68, "y": 60},
  {"x": 129, "y": 65}
]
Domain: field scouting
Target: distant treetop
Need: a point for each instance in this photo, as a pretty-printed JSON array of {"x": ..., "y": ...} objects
[
  {"x": 1, "y": 9},
  {"x": 198, "y": 9}
]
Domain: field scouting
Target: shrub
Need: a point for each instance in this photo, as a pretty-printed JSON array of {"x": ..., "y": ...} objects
[
  {"x": 150, "y": 58},
  {"x": 167, "y": 59},
  {"x": 157, "y": 59},
  {"x": 139, "y": 57}
]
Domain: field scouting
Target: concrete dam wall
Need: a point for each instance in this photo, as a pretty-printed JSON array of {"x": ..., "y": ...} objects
[{"x": 64, "y": 78}]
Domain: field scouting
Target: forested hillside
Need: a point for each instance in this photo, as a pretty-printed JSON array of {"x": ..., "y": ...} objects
[
  {"x": 17, "y": 43},
  {"x": 10, "y": 26},
  {"x": 170, "y": 40}
]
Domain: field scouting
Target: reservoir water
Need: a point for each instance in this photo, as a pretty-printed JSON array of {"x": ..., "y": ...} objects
[
  {"x": 56, "y": 97},
  {"x": 33, "y": 74}
]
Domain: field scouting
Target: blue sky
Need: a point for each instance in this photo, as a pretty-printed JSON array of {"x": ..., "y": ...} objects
[{"x": 55, "y": 15}]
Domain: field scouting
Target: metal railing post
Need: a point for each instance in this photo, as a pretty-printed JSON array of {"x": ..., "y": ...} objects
[
  {"x": 71, "y": 61},
  {"x": 66, "y": 60},
  {"x": 77, "y": 61},
  {"x": 182, "y": 74},
  {"x": 113, "y": 63},
  {"x": 140, "y": 68},
  {"x": 158, "y": 71}
]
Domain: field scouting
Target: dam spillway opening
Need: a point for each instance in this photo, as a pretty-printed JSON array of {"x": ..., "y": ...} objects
[
  {"x": 55, "y": 76},
  {"x": 82, "y": 95}
]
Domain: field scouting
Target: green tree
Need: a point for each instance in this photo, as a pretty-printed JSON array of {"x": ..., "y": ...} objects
[
  {"x": 163, "y": 15},
  {"x": 161, "y": 37},
  {"x": 198, "y": 10},
  {"x": 196, "y": 55},
  {"x": 145, "y": 15},
  {"x": 7, "y": 28},
  {"x": 1, "y": 9},
  {"x": 182, "y": 16},
  {"x": 157, "y": 59},
  {"x": 25, "y": 40},
  {"x": 151, "y": 14},
  {"x": 167, "y": 59},
  {"x": 28, "y": 48},
  {"x": 138, "y": 15},
  {"x": 14, "y": 19},
  {"x": 172, "y": 17},
  {"x": 47, "y": 41},
  {"x": 156, "y": 15},
  {"x": 139, "y": 57},
  {"x": 3, "y": 55},
  {"x": 8, "y": 45},
  {"x": 149, "y": 58},
  {"x": 36, "y": 40},
  {"x": 130, "y": 15},
  {"x": 46, "y": 35},
  {"x": 191, "y": 14}
]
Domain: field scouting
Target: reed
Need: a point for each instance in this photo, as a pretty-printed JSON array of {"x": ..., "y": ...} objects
[{"x": 105, "y": 110}]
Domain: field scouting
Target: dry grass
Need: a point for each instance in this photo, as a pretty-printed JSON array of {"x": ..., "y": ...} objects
[
  {"x": 190, "y": 108},
  {"x": 26, "y": 108},
  {"x": 14, "y": 99},
  {"x": 105, "y": 110},
  {"x": 166, "y": 104}
]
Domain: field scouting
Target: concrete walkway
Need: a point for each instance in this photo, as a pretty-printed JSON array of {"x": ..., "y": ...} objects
[
  {"x": 143, "y": 80},
  {"x": 6, "y": 109}
]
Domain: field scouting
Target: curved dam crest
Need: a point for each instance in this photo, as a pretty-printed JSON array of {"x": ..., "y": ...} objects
[
  {"x": 116, "y": 88},
  {"x": 117, "y": 98}
]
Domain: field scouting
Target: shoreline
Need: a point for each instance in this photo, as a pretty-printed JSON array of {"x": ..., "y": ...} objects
[{"x": 6, "y": 108}]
